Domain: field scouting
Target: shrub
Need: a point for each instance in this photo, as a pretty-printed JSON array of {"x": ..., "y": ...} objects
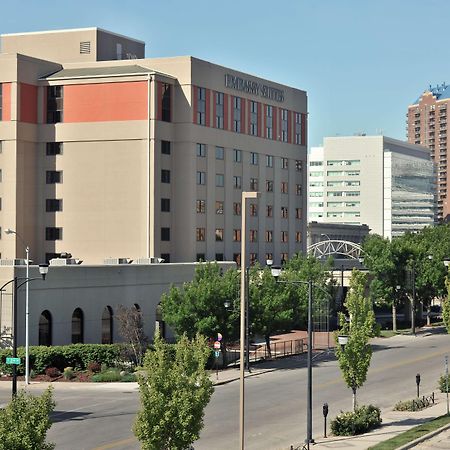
[
  {"x": 94, "y": 367},
  {"x": 414, "y": 405},
  {"x": 444, "y": 383},
  {"x": 25, "y": 421},
  {"x": 108, "y": 376},
  {"x": 128, "y": 378},
  {"x": 52, "y": 372},
  {"x": 363, "y": 419},
  {"x": 68, "y": 373}
]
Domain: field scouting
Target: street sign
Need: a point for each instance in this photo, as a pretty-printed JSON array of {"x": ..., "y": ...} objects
[
  {"x": 15, "y": 361},
  {"x": 216, "y": 354},
  {"x": 217, "y": 345}
]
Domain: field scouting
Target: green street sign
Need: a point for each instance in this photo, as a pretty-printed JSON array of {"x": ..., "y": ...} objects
[{"x": 15, "y": 361}]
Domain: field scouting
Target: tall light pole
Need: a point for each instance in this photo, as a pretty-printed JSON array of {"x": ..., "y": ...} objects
[
  {"x": 245, "y": 197},
  {"x": 27, "y": 307}
]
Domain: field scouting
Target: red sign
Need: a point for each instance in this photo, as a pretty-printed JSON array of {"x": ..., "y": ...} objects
[{"x": 217, "y": 345}]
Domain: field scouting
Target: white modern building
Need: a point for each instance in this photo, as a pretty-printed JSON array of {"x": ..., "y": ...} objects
[{"x": 374, "y": 180}]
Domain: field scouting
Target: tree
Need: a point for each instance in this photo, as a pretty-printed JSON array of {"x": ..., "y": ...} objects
[
  {"x": 446, "y": 307},
  {"x": 199, "y": 306},
  {"x": 25, "y": 421},
  {"x": 354, "y": 359},
  {"x": 131, "y": 328},
  {"x": 174, "y": 393}
]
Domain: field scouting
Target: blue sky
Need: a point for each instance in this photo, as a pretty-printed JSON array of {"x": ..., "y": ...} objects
[{"x": 361, "y": 62}]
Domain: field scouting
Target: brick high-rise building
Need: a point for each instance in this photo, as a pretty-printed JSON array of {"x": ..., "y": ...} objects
[{"x": 427, "y": 124}]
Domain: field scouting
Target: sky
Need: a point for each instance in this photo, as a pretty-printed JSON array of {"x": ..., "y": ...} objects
[{"x": 361, "y": 62}]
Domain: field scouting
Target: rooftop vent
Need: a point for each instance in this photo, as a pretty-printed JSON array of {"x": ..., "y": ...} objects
[
  {"x": 65, "y": 262},
  {"x": 151, "y": 260},
  {"x": 117, "y": 261},
  {"x": 13, "y": 262},
  {"x": 85, "y": 48}
]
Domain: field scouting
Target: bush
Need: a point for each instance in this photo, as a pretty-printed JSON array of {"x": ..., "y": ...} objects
[
  {"x": 68, "y": 373},
  {"x": 414, "y": 405},
  {"x": 444, "y": 383},
  {"x": 128, "y": 378},
  {"x": 94, "y": 367},
  {"x": 25, "y": 421},
  {"x": 363, "y": 419},
  {"x": 109, "y": 375},
  {"x": 77, "y": 356},
  {"x": 52, "y": 372}
]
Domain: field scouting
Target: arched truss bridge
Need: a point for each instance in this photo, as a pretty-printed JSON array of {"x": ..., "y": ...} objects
[{"x": 335, "y": 247}]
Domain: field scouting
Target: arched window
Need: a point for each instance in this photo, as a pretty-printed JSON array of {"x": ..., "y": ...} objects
[
  {"x": 107, "y": 325},
  {"x": 45, "y": 328},
  {"x": 160, "y": 325},
  {"x": 77, "y": 327}
]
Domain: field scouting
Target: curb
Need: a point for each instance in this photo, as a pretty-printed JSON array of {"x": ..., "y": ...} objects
[
  {"x": 251, "y": 374},
  {"x": 424, "y": 438}
]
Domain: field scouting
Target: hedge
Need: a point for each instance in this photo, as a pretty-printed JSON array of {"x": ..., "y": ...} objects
[
  {"x": 77, "y": 356},
  {"x": 363, "y": 419}
]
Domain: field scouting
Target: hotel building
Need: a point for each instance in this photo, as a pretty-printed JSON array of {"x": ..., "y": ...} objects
[
  {"x": 374, "y": 180},
  {"x": 106, "y": 154},
  {"x": 427, "y": 123}
]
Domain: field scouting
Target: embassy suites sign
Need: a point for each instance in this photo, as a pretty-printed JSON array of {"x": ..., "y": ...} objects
[{"x": 253, "y": 87}]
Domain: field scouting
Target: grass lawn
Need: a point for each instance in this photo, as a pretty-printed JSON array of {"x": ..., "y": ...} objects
[
  {"x": 390, "y": 333},
  {"x": 412, "y": 434}
]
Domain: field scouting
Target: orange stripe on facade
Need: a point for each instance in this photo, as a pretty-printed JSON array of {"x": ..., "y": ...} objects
[
  {"x": 28, "y": 103},
  {"x": 6, "y": 101},
  {"x": 105, "y": 102}
]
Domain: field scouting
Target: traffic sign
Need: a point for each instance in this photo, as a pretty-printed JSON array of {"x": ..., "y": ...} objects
[
  {"x": 14, "y": 361},
  {"x": 216, "y": 354},
  {"x": 217, "y": 345}
]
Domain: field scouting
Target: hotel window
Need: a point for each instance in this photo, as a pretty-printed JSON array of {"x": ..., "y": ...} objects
[
  {"x": 269, "y": 236},
  {"x": 269, "y": 256},
  {"x": 283, "y": 257},
  {"x": 298, "y": 189},
  {"x": 253, "y": 210},
  {"x": 219, "y": 257},
  {"x": 298, "y": 129},
  {"x": 253, "y": 184},
  {"x": 165, "y": 102},
  {"x": 269, "y": 161},
  {"x": 237, "y": 209},
  {"x": 269, "y": 185},
  {"x": 53, "y": 205},
  {"x": 284, "y": 125},
  {"x": 254, "y": 160},
  {"x": 55, "y": 100},
  {"x": 165, "y": 176},
  {"x": 200, "y": 234},
  {"x": 284, "y": 187},
  {"x": 219, "y": 110},
  {"x": 53, "y": 176},
  {"x": 269, "y": 122},
  {"x": 237, "y": 155},
  {"x": 53, "y": 234},
  {"x": 298, "y": 236},
  {"x": 220, "y": 180},
  {"x": 201, "y": 106},
  {"x": 165, "y": 147},
  {"x": 237, "y": 235},
  {"x": 253, "y": 235},
  {"x": 201, "y": 206},
  {"x": 284, "y": 212},
  {"x": 253, "y": 258},
  {"x": 284, "y": 236},
  {"x": 237, "y": 114},
  {"x": 298, "y": 212},
  {"x": 219, "y": 234},
  {"x": 201, "y": 150},
  {"x": 317, "y": 194},
  {"x": 219, "y": 153},
  {"x": 254, "y": 118},
  {"x": 298, "y": 165},
  {"x": 237, "y": 182},
  {"x": 200, "y": 257},
  {"x": 284, "y": 163},
  {"x": 165, "y": 204},
  {"x": 269, "y": 211},
  {"x": 165, "y": 234},
  {"x": 219, "y": 207},
  {"x": 201, "y": 177},
  {"x": 237, "y": 258},
  {"x": 53, "y": 148}
]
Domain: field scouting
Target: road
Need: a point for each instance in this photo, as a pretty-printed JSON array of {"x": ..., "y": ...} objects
[{"x": 100, "y": 417}]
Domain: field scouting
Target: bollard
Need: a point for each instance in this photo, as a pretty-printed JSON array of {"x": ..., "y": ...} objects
[
  {"x": 418, "y": 384},
  {"x": 325, "y": 414}
]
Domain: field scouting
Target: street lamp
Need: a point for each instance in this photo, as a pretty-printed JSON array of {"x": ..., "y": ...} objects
[
  {"x": 343, "y": 341},
  {"x": 27, "y": 307},
  {"x": 245, "y": 196},
  {"x": 43, "y": 270}
]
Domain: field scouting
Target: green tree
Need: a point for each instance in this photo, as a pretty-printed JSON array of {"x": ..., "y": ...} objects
[
  {"x": 25, "y": 421},
  {"x": 446, "y": 307},
  {"x": 199, "y": 306},
  {"x": 354, "y": 359},
  {"x": 174, "y": 393}
]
